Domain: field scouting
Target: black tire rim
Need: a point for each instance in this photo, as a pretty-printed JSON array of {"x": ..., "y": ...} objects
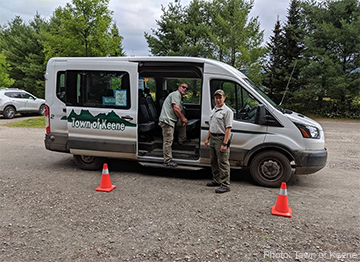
[
  {"x": 10, "y": 112},
  {"x": 270, "y": 169},
  {"x": 42, "y": 110},
  {"x": 87, "y": 159}
]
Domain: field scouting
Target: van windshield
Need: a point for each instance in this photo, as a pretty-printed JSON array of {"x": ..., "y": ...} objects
[{"x": 247, "y": 80}]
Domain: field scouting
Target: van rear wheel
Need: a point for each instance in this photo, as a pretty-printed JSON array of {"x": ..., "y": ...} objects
[
  {"x": 88, "y": 162},
  {"x": 270, "y": 169}
]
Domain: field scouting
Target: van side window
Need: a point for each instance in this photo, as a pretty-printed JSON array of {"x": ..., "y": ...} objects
[
  {"x": 98, "y": 89},
  {"x": 241, "y": 102},
  {"x": 60, "y": 86},
  {"x": 193, "y": 96}
]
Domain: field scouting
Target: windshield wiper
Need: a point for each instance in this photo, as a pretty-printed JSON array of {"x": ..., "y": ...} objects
[{"x": 286, "y": 111}]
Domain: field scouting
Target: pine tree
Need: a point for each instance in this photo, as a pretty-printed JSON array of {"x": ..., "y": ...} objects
[
  {"x": 274, "y": 68},
  {"x": 218, "y": 29},
  {"x": 286, "y": 49},
  {"x": 293, "y": 46},
  {"x": 236, "y": 39},
  {"x": 22, "y": 46},
  {"x": 333, "y": 57},
  {"x": 5, "y": 80},
  {"x": 197, "y": 26},
  {"x": 168, "y": 39}
]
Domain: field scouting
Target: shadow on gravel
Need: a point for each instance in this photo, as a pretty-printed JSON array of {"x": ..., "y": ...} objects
[
  {"x": 116, "y": 165},
  {"x": 242, "y": 175}
]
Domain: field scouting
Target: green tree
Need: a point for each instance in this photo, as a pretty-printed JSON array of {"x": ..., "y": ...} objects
[
  {"x": 197, "y": 26},
  {"x": 83, "y": 28},
  {"x": 274, "y": 67},
  {"x": 116, "y": 47},
  {"x": 332, "y": 54},
  {"x": 5, "y": 80},
  {"x": 217, "y": 29},
  {"x": 293, "y": 45},
  {"x": 22, "y": 46},
  {"x": 169, "y": 38},
  {"x": 237, "y": 40},
  {"x": 285, "y": 55}
]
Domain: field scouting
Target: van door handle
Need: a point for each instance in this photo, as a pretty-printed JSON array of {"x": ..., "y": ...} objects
[
  {"x": 207, "y": 122},
  {"x": 127, "y": 117},
  {"x": 64, "y": 110}
]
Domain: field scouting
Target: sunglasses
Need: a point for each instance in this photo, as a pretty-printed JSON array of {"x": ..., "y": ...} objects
[{"x": 185, "y": 87}]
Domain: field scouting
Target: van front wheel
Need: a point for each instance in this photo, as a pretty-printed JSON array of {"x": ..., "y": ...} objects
[
  {"x": 270, "y": 168},
  {"x": 88, "y": 162}
]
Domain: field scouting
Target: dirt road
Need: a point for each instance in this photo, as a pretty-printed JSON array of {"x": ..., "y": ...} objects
[{"x": 50, "y": 211}]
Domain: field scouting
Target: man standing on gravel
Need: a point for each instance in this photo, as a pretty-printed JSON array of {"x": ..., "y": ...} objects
[
  {"x": 171, "y": 113},
  {"x": 221, "y": 120}
]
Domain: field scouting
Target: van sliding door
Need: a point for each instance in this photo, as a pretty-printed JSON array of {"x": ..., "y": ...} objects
[{"x": 101, "y": 110}]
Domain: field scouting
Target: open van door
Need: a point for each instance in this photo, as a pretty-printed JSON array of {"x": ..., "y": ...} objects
[{"x": 101, "y": 111}]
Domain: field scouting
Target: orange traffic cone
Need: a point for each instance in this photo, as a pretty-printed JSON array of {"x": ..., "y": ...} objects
[
  {"x": 105, "y": 184},
  {"x": 281, "y": 207}
]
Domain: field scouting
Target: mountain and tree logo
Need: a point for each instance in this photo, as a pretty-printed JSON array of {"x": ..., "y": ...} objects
[{"x": 109, "y": 121}]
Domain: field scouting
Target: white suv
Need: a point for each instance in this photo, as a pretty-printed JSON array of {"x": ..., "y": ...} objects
[{"x": 13, "y": 100}]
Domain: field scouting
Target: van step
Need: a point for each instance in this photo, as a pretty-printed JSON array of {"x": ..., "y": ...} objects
[
  {"x": 161, "y": 165},
  {"x": 176, "y": 154}
]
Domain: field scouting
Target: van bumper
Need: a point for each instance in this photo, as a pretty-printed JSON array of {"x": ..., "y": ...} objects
[
  {"x": 309, "y": 162},
  {"x": 56, "y": 142}
]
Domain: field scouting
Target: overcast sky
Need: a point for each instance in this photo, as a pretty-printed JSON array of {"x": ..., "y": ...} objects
[{"x": 134, "y": 17}]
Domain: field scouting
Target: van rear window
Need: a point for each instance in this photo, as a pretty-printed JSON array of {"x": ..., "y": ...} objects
[{"x": 97, "y": 89}]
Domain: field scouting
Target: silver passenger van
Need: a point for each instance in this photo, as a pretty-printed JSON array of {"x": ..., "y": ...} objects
[{"x": 108, "y": 107}]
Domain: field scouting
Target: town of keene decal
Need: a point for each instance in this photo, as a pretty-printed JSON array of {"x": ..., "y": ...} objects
[{"x": 102, "y": 121}]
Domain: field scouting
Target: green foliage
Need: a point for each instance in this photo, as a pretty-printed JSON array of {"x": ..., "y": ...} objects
[
  {"x": 237, "y": 41},
  {"x": 217, "y": 29},
  {"x": 196, "y": 29},
  {"x": 275, "y": 66},
  {"x": 170, "y": 35},
  {"x": 322, "y": 39},
  {"x": 285, "y": 54},
  {"x": 5, "y": 80},
  {"x": 82, "y": 28},
  {"x": 21, "y": 44},
  {"x": 332, "y": 54}
]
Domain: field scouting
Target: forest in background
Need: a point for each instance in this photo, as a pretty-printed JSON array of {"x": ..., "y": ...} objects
[{"x": 313, "y": 57}]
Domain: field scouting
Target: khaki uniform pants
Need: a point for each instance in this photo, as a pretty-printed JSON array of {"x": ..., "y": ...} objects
[
  {"x": 168, "y": 138},
  {"x": 220, "y": 164}
]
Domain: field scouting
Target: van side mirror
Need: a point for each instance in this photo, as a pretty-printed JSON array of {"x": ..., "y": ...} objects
[{"x": 260, "y": 118}]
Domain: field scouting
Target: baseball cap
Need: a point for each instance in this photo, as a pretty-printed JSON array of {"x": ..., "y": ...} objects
[{"x": 219, "y": 92}]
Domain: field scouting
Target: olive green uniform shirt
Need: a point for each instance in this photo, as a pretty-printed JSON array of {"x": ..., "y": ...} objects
[
  {"x": 220, "y": 119},
  {"x": 167, "y": 114}
]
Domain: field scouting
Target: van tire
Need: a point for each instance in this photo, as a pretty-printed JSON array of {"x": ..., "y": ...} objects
[
  {"x": 88, "y": 162},
  {"x": 270, "y": 168}
]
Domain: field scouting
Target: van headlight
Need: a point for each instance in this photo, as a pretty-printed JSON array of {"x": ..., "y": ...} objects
[{"x": 308, "y": 131}]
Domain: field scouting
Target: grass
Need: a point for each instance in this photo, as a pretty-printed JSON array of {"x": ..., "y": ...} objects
[{"x": 34, "y": 122}]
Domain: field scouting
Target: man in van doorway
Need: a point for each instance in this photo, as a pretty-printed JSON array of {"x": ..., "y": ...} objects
[
  {"x": 172, "y": 115},
  {"x": 221, "y": 121}
]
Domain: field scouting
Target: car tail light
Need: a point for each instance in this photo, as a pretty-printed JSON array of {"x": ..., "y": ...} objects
[{"x": 47, "y": 119}]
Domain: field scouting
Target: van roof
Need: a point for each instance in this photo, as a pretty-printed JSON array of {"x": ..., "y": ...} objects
[{"x": 170, "y": 59}]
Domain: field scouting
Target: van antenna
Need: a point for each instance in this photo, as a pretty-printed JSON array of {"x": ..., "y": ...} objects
[{"x": 287, "y": 86}]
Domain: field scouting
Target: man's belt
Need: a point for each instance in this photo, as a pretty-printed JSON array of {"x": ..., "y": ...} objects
[{"x": 217, "y": 134}]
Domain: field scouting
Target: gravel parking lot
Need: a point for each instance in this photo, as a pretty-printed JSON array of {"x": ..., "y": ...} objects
[{"x": 50, "y": 211}]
